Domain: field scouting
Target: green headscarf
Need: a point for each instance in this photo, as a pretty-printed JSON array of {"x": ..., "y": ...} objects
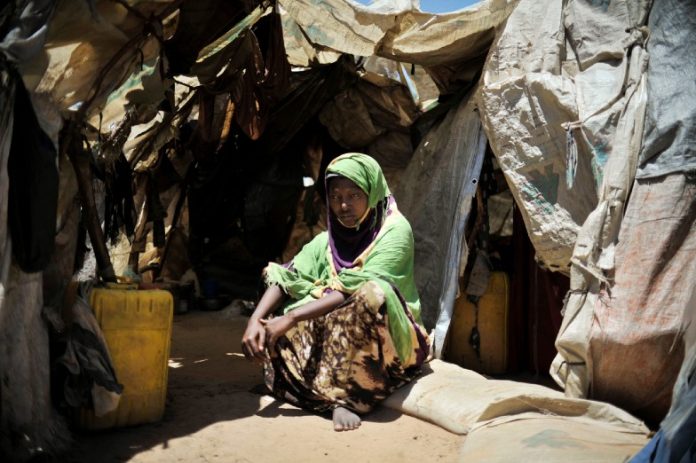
[{"x": 364, "y": 171}]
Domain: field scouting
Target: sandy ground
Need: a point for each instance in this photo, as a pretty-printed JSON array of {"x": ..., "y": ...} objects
[{"x": 211, "y": 415}]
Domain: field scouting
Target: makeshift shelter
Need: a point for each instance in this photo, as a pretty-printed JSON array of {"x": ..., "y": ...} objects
[{"x": 208, "y": 125}]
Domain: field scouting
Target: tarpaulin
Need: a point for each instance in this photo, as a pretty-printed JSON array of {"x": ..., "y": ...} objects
[
  {"x": 199, "y": 23},
  {"x": 593, "y": 255},
  {"x": 669, "y": 140},
  {"x": 563, "y": 104},
  {"x": 25, "y": 368},
  {"x": 555, "y": 84},
  {"x": 402, "y": 33},
  {"x": 674, "y": 442},
  {"x": 82, "y": 38},
  {"x": 636, "y": 344},
  {"x": 374, "y": 116},
  {"x": 632, "y": 274},
  {"x": 435, "y": 195},
  {"x": 218, "y": 65},
  {"x": 301, "y": 52}
]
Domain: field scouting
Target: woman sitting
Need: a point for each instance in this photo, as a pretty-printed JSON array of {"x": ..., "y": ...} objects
[{"x": 349, "y": 330}]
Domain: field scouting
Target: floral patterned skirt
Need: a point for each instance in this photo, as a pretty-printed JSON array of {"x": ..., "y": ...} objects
[{"x": 345, "y": 358}]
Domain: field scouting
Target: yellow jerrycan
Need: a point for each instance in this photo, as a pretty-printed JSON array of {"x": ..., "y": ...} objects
[
  {"x": 492, "y": 329},
  {"x": 137, "y": 325}
]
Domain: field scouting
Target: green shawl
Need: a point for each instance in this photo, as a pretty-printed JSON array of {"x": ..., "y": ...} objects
[{"x": 388, "y": 260}]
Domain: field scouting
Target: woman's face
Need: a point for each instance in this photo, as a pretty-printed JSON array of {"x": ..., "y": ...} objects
[{"x": 347, "y": 201}]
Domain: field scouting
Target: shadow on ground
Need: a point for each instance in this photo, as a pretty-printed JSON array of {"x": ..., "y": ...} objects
[{"x": 210, "y": 382}]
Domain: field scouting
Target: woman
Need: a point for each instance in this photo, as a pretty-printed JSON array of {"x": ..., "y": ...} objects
[{"x": 349, "y": 331}]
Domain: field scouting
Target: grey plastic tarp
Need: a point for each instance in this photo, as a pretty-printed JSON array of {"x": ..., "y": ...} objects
[
  {"x": 669, "y": 141},
  {"x": 435, "y": 195}
]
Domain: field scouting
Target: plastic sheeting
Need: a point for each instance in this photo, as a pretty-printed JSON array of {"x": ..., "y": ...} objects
[
  {"x": 401, "y": 33},
  {"x": 376, "y": 114},
  {"x": 145, "y": 89},
  {"x": 669, "y": 141},
  {"x": 636, "y": 335},
  {"x": 555, "y": 84},
  {"x": 82, "y": 38},
  {"x": 563, "y": 103},
  {"x": 435, "y": 195},
  {"x": 301, "y": 52},
  {"x": 631, "y": 275},
  {"x": 24, "y": 365}
]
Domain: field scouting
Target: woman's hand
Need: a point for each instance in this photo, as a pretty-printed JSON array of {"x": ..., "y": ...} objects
[
  {"x": 253, "y": 340},
  {"x": 275, "y": 328}
]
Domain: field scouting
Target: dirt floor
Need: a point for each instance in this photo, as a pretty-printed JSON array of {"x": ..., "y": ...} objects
[{"x": 211, "y": 415}]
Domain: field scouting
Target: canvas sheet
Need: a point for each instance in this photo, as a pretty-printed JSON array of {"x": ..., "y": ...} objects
[
  {"x": 24, "y": 361},
  {"x": 563, "y": 104},
  {"x": 24, "y": 351},
  {"x": 374, "y": 116},
  {"x": 593, "y": 259},
  {"x": 675, "y": 439}
]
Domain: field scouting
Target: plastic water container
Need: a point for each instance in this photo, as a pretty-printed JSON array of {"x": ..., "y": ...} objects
[
  {"x": 492, "y": 327},
  {"x": 137, "y": 325}
]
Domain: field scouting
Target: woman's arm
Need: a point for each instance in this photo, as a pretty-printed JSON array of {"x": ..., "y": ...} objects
[
  {"x": 270, "y": 301},
  {"x": 318, "y": 307},
  {"x": 255, "y": 334},
  {"x": 278, "y": 326}
]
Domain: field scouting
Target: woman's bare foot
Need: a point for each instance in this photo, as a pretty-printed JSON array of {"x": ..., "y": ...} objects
[{"x": 345, "y": 420}]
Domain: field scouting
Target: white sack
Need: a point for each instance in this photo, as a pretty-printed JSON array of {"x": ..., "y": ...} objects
[
  {"x": 459, "y": 400},
  {"x": 544, "y": 438}
]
